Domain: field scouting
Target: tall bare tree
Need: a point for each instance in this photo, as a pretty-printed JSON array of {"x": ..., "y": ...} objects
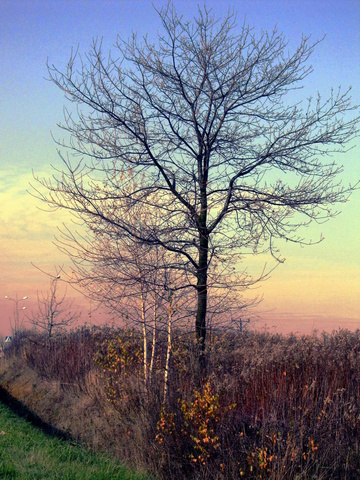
[{"x": 206, "y": 118}]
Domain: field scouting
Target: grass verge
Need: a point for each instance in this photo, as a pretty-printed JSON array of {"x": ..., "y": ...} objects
[{"x": 28, "y": 453}]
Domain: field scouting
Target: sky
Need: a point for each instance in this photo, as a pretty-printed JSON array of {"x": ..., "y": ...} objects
[{"x": 316, "y": 288}]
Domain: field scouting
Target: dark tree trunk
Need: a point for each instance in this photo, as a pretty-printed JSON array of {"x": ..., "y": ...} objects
[
  {"x": 202, "y": 294},
  {"x": 200, "y": 325}
]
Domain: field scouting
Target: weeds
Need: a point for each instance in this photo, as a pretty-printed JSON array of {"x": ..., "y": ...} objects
[{"x": 271, "y": 407}]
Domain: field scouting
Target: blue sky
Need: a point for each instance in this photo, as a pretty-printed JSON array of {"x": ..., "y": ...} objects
[{"x": 32, "y": 32}]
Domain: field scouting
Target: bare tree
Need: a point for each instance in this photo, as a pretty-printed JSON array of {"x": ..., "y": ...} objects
[
  {"x": 206, "y": 119},
  {"x": 132, "y": 279},
  {"x": 54, "y": 311}
]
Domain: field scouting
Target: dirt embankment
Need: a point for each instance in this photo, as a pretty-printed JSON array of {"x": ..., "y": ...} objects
[{"x": 82, "y": 415}]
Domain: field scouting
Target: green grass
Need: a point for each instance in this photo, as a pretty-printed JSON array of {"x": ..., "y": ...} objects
[{"x": 28, "y": 453}]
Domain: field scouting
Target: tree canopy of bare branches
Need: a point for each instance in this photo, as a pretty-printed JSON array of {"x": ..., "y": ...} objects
[
  {"x": 54, "y": 312},
  {"x": 204, "y": 122}
]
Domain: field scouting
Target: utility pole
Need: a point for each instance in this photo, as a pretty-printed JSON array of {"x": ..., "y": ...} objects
[{"x": 241, "y": 322}]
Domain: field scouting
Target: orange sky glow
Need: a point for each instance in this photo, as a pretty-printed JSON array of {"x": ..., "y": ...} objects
[{"x": 317, "y": 288}]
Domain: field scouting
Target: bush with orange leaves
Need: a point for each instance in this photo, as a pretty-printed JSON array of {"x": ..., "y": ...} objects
[
  {"x": 198, "y": 423},
  {"x": 201, "y": 418}
]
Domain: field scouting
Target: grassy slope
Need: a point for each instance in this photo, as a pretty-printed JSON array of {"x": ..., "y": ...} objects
[{"x": 28, "y": 453}]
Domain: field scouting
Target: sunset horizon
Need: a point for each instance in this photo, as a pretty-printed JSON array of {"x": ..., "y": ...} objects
[{"x": 315, "y": 289}]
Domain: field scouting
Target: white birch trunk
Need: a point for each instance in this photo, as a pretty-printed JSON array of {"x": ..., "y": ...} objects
[
  {"x": 143, "y": 321},
  {"x": 168, "y": 352},
  {"x": 153, "y": 342}
]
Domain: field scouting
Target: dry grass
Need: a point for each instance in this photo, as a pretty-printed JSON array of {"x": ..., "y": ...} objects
[{"x": 269, "y": 406}]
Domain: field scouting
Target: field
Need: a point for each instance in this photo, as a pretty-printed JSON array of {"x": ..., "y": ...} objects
[{"x": 267, "y": 406}]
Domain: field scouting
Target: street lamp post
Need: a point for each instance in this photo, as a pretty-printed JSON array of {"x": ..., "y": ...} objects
[{"x": 16, "y": 301}]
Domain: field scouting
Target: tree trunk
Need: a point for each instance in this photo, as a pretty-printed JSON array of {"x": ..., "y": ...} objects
[
  {"x": 153, "y": 342},
  {"x": 143, "y": 321},
  {"x": 202, "y": 295},
  {"x": 168, "y": 351},
  {"x": 200, "y": 325}
]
